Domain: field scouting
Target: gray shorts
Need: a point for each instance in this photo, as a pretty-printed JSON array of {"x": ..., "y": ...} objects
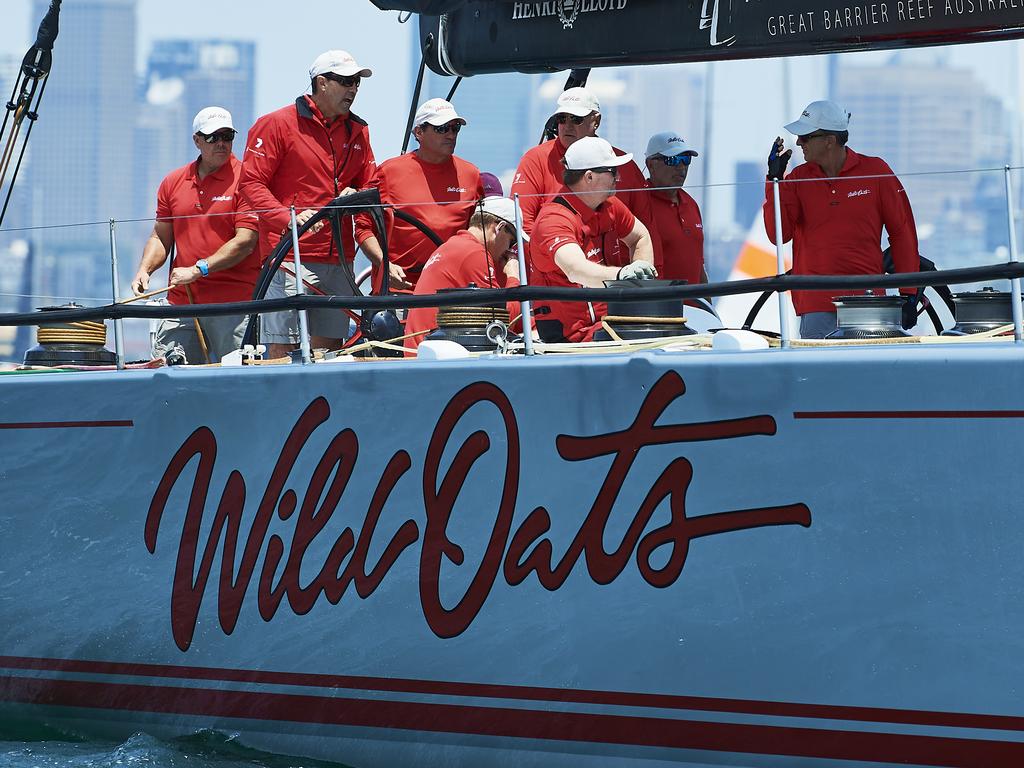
[
  {"x": 283, "y": 327},
  {"x": 223, "y": 334},
  {"x": 817, "y": 325}
]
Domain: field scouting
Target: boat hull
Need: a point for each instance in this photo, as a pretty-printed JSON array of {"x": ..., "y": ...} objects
[{"x": 760, "y": 558}]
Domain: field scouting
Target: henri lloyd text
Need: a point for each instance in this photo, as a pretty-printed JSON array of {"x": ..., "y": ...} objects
[{"x": 509, "y": 553}]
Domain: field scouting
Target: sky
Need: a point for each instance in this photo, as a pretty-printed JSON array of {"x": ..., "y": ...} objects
[{"x": 749, "y": 101}]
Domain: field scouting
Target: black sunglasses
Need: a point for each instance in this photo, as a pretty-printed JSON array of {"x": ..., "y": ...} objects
[
  {"x": 815, "y": 135},
  {"x": 614, "y": 171},
  {"x": 348, "y": 82},
  {"x": 455, "y": 126},
  {"x": 563, "y": 118},
  {"x": 227, "y": 136}
]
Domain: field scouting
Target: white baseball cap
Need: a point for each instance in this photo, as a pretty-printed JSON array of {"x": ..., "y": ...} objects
[
  {"x": 820, "y": 116},
  {"x": 338, "y": 63},
  {"x": 593, "y": 152},
  {"x": 436, "y": 112},
  {"x": 668, "y": 144},
  {"x": 504, "y": 209},
  {"x": 577, "y": 101},
  {"x": 211, "y": 119}
]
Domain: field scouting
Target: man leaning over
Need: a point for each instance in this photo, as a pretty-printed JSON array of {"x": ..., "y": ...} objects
[{"x": 575, "y": 240}]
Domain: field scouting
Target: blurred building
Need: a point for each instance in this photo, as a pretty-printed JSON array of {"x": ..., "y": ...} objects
[
  {"x": 83, "y": 146},
  {"x": 924, "y": 117}
]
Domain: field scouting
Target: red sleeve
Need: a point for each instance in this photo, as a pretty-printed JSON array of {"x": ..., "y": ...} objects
[
  {"x": 898, "y": 219},
  {"x": 555, "y": 228},
  {"x": 245, "y": 217},
  {"x": 362, "y": 178},
  {"x": 263, "y": 151},
  {"x": 529, "y": 180},
  {"x": 790, "y": 210},
  {"x": 163, "y": 199},
  {"x": 622, "y": 218},
  {"x": 364, "y": 222}
]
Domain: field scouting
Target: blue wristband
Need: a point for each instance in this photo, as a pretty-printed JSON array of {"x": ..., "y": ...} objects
[{"x": 203, "y": 267}]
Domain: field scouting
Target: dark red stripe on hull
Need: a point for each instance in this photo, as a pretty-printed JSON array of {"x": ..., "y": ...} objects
[
  {"x": 64, "y": 424},
  {"x": 908, "y": 415},
  {"x": 518, "y": 723},
  {"x": 526, "y": 693}
]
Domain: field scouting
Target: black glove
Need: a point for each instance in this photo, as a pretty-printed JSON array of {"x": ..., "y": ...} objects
[
  {"x": 909, "y": 313},
  {"x": 778, "y": 160}
]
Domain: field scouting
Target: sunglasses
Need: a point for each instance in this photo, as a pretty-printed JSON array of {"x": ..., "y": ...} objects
[
  {"x": 348, "y": 82},
  {"x": 227, "y": 136},
  {"x": 808, "y": 136},
  {"x": 614, "y": 171},
  {"x": 674, "y": 160},
  {"x": 563, "y": 118},
  {"x": 455, "y": 126}
]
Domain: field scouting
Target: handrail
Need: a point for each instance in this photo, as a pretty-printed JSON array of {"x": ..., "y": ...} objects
[{"x": 485, "y": 296}]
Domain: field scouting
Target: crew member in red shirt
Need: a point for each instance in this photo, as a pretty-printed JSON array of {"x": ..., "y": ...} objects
[
  {"x": 305, "y": 155},
  {"x": 430, "y": 184},
  {"x": 835, "y": 221},
  {"x": 576, "y": 236},
  {"x": 214, "y": 234},
  {"x": 578, "y": 115},
  {"x": 483, "y": 254},
  {"x": 677, "y": 220}
]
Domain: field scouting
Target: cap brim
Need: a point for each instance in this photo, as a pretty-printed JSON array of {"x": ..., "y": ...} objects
[
  {"x": 577, "y": 111},
  {"x": 438, "y": 120},
  {"x": 621, "y": 160},
  {"x": 686, "y": 151},
  {"x": 801, "y": 128},
  {"x": 347, "y": 72}
]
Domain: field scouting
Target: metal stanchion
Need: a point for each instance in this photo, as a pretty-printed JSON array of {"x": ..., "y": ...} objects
[
  {"x": 527, "y": 306},
  {"x": 1018, "y": 311},
  {"x": 299, "y": 291},
  {"x": 118, "y": 328},
  {"x": 780, "y": 265}
]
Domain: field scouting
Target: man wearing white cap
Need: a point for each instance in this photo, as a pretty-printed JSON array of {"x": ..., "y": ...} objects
[
  {"x": 577, "y": 116},
  {"x": 677, "y": 218},
  {"x": 835, "y": 214},
  {"x": 576, "y": 238},
  {"x": 307, "y": 154},
  {"x": 213, "y": 232},
  {"x": 430, "y": 184},
  {"x": 482, "y": 254}
]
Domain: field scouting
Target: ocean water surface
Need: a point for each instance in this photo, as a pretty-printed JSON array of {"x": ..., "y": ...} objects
[{"x": 37, "y": 747}]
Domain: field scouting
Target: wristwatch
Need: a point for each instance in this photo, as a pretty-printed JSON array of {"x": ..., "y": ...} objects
[{"x": 203, "y": 267}]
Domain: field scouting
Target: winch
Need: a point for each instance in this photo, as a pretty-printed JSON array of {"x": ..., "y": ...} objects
[
  {"x": 980, "y": 311},
  {"x": 70, "y": 343},
  {"x": 644, "y": 318},
  {"x": 478, "y": 329},
  {"x": 868, "y": 317}
]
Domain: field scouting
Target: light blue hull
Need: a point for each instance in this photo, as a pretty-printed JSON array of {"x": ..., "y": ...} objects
[{"x": 806, "y": 557}]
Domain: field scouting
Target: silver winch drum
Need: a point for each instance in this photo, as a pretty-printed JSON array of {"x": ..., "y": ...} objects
[
  {"x": 868, "y": 317},
  {"x": 470, "y": 326},
  {"x": 644, "y": 318},
  {"x": 980, "y": 311}
]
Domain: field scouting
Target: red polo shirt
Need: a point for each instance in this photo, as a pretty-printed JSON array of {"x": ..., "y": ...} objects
[
  {"x": 679, "y": 228},
  {"x": 210, "y": 211},
  {"x": 295, "y": 157},
  {"x": 566, "y": 219},
  {"x": 441, "y": 195},
  {"x": 460, "y": 261},
  {"x": 836, "y": 225},
  {"x": 540, "y": 172}
]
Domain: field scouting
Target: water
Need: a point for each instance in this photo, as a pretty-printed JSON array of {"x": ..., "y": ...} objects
[{"x": 47, "y": 748}]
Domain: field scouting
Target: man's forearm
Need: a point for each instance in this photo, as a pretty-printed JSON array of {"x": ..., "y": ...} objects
[
  {"x": 233, "y": 251},
  {"x": 371, "y": 247}
]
